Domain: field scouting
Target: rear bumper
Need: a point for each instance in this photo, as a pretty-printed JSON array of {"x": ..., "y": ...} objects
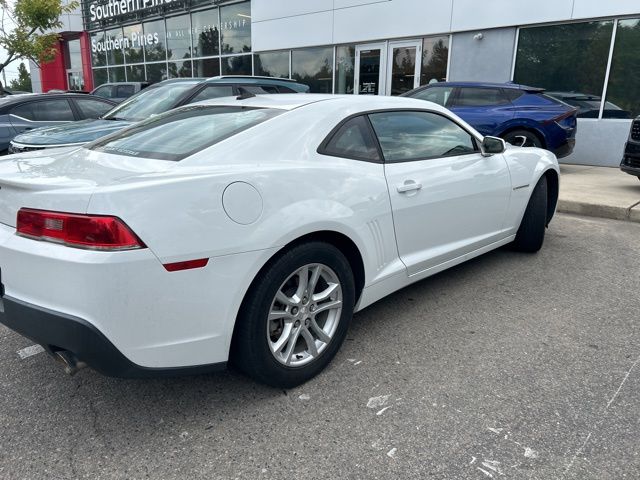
[
  {"x": 127, "y": 302},
  {"x": 56, "y": 331},
  {"x": 565, "y": 149}
]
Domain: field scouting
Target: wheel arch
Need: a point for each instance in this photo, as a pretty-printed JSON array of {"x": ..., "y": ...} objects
[
  {"x": 339, "y": 240},
  {"x": 527, "y": 128}
]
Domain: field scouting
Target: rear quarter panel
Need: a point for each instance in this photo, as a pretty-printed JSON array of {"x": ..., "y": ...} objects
[{"x": 180, "y": 214}]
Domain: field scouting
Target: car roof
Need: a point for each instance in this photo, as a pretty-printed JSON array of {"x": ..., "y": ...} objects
[
  {"x": 10, "y": 99},
  {"x": 121, "y": 83},
  {"x": 180, "y": 80},
  {"x": 250, "y": 80},
  {"x": 291, "y": 101},
  {"x": 510, "y": 85}
]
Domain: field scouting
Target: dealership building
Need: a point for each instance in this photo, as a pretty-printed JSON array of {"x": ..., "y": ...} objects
[{"x": 586, "y": 49}]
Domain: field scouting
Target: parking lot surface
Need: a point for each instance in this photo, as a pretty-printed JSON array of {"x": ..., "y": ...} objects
[{"x": 509, "y": 366}]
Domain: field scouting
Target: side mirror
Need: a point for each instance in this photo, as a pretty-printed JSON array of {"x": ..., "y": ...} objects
[{"x": 492, "y": 146}]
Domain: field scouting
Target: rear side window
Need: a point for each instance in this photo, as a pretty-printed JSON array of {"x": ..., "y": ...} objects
[
  {"x": 124, "y": 91},
  {"x": 480, "y": 97},
  {"x": 92, "y": 108},
  {"x": 269, "y": 88},
  {"x": 406, "y": 136},
  {"x": 105, "y": 91},
  {"x": 45, "y": 111},
  {"x": 439, "y": 95},
  {"x": 180, "y": 133},
  {"x": 24, "y": 111},
  {"x": 512, "y": 94},
  {"x": 353, "y": 139},
  {"x": 213, "y": 91}
]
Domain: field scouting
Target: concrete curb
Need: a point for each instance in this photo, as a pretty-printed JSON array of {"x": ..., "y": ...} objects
[{"x": 631, "y": 214}]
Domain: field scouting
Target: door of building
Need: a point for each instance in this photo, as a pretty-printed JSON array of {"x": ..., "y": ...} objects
[
  {"x": 403, "y": 70},
  {"x": 75, "y": 80},
  {"x": 370, "y": 69}
]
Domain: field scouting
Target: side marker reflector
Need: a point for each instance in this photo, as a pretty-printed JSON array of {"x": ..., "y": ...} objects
[{"x": 187, "y": 265}]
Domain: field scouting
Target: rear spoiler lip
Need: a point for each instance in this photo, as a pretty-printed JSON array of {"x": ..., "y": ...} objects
[
  {"x": 526, "y": 88},
  {"x": 532, "y": 89}
]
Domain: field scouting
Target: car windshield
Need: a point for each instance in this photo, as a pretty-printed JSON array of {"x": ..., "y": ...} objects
[
  {"x": 150, "y": 101},
  {"x": 180, "y": 133}
]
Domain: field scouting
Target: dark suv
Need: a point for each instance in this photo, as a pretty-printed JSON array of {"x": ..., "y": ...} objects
[
  {"x": 631, "y": 160},
  {"x": 153, "y": 100}
]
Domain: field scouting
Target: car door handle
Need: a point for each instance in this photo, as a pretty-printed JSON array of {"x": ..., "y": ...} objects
[{"x": 409, "y": 186}]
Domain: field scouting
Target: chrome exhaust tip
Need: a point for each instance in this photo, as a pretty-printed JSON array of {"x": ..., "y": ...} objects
[{"x": 71, "y": 364}]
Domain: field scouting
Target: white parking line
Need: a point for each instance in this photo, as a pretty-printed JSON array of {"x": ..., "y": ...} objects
[{"x": 30, "y": 351}]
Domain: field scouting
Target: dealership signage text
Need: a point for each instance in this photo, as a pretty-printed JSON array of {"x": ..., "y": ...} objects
[
  {"x": 135, "y": 40},
  {"x": 113, "y": 8}
]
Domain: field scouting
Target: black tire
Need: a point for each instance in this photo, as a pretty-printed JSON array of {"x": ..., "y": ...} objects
[
  {"x": 530, "y": 236},
  {"x": 250, "y": 351},
  {"x": 532, "y": 139}
]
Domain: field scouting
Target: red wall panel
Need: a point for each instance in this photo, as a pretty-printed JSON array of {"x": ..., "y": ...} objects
[{"x": 53, "y": 74}]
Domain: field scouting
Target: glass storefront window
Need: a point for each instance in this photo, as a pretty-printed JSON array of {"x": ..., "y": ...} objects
[
  {"x": 100, "y": 76},
  {"x": 156, "y": 72},
  {"x": 345, "y": 61},
  {"x": 179, "y": 37},
  {"x": 154, "y": 41},
  {"x": 114, "y": 41},
  {"x": 206, "y": 67},
  {"x": 235, "y": 28},
  {"x": 403, "y": 69},
  {"x": 180, "y": 69},
  {"x": 313, "y": 67},
  {"x": 116, "y": 74},
  {"x": 566, "y": 58},
  {"x": 133, "y": 44},
  {"x": 272, "y": 64},
  {"x": 435, "y": 57},
  {"x": 135, "y": 73},
  {"x": 98, "y": 54},
  {"x": 238, "y": 65},
  {"x": 623, "y": 91},
  {"x": 73, "y": 58},
  {"x": 206, "y": 33}
]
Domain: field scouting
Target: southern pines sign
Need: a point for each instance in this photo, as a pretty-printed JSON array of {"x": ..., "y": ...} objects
[
  {"x": 103, "y": 13},
  {"x": 116, "y": 8}
]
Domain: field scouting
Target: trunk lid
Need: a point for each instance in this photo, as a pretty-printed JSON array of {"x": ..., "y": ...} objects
[{"x": 62, "y": 179}]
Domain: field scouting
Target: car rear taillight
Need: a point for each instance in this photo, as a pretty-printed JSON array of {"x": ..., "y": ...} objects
[
  {"x": 94, "y": 232},
  {"x": 566, "y": 117}
]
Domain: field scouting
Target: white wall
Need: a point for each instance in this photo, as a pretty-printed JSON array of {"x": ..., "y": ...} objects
[
  {"x": 600, "y": 142},
  {"x": 36, "y": 82},
  {"x": 279, "y": 24},
  {"x": 485, "y": 60}
]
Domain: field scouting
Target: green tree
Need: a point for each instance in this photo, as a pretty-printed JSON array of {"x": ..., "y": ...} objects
[
  {"x": 26, "y": 29},
  {"x": 23, "y": 82}
]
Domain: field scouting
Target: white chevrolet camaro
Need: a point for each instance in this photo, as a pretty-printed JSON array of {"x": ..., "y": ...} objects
[{"x": 249, "y": 230}]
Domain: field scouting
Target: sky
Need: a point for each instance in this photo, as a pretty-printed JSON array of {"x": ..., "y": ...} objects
[{"x": 11, "y": 70}]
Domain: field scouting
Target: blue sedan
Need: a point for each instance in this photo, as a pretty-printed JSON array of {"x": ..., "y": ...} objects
[{"x": 521, "y": 115}]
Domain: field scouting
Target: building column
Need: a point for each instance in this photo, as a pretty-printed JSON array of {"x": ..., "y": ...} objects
[
  {"x": 85, "y": 53},
  {"x": 53, "y": 74}
]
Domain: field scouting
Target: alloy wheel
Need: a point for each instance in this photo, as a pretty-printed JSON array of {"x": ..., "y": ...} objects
[{"x": 304, "y": 315}]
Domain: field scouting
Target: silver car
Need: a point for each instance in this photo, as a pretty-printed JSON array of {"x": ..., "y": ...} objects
[{"x": 20, "y": 113}]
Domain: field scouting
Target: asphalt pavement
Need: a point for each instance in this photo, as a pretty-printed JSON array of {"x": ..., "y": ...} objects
[{"x": 509, "y": 366}]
